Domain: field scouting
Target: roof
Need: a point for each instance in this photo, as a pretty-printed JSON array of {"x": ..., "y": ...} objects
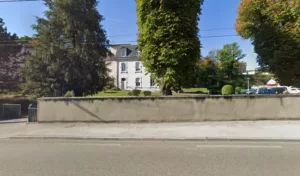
[{"x": 132, "y": 50}]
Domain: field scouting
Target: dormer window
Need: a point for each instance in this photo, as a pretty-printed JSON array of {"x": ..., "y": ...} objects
[{"x": 123, "y": 52}]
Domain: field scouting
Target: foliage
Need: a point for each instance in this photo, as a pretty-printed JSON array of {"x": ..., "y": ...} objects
[
  {"x": 168, "y": 39},
  {"x": 227, "y": 90},
  {"x": 136, "y": 92},
  {"x": 10, "y": 54},
  {"x": 147, "y": 93},
  {"x": 69, "y": 52},
  {"x": 220, "y": 67},
  {"x": 195, "y": 90},
  {"x": 238, "y": 90},
  {"x": 229, "y": 58},
  {"x": 207, "y": 73},
  {"x": 115, "y": 89},
  {"x": 25, "y": 38},
  {"x": 69, "y": 94},
  {"x": 273, "y": 27}
]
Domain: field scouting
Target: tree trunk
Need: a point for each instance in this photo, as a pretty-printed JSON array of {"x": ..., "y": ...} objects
[{"x": 166, "y": 90}]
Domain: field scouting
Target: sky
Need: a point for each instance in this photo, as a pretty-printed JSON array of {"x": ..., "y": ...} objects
[{"x": 120, "y": 23}]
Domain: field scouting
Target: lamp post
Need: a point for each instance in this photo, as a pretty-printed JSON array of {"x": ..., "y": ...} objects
[{"x": 248, "y": 85}]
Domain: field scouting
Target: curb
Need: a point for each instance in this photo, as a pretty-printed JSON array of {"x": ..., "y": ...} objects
[{"x": 209, "y": 139}]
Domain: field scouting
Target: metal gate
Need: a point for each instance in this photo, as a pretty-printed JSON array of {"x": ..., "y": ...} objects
[
  {"x": 11, "y": 111},
  {"x": 32, "y": 113}
]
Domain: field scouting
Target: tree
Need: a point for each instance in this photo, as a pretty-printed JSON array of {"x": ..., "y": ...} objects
[
  {"x": 9, "y": 58},
  {"x": 273, "y": 27},
  {"x": 207, "y": 74},
  {"x": 213, "y": 55},
  {"x": 25, "y": 38},
  {"x": 229, "y": 58},
  {"x": 69, "y": 52},
  {"x": 168, "y": 39}
]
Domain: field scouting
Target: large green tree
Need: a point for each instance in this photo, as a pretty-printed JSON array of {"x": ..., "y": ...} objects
[
  {"x": 9, "y": 58},
  {"x": 274, "y": 29},
  {"x": 70, "y": 50},
  {"x": 220, "y": 67},
  {"x": 168, "y": 39},
  {"x": 229, "y": 57}
]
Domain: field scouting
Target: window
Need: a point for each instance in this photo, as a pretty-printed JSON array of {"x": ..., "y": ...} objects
[
  {"x": 137, "y": 82},
  {"x": 152, "y": 82},
  {"x": 124, "y": 52},
  {"x": 137, "y": 67},
  {"x": 123, "y": 67}
]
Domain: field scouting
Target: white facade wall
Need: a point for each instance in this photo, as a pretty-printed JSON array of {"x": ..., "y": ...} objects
[
  {"x": 130, "y": 76},
  {"x": 126, "y": 77}
]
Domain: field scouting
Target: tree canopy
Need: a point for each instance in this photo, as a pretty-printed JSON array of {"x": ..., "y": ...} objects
[
  {"x": 168, "y": 39},
  {"x": 220, "y": 67},
  {"x": 70, "y": 51},
  {"x": 9, "y": 58},
  {"x": 274, "y": 29}
]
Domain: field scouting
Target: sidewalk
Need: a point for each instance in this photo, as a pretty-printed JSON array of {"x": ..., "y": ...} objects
[{"x": 242, "y": 130}]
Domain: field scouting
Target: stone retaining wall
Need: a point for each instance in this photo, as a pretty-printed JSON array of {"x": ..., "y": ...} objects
[{"x": 168, "y": 109}]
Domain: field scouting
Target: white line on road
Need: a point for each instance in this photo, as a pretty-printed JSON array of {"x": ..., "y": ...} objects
[
  {"x": 90, "y": 144},
  {"x": 239, "y": 146}
]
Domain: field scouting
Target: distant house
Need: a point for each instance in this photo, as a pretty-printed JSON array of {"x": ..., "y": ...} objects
[
  {"x": 127, "y": 70},
  {"x": 242, "y": 67}
]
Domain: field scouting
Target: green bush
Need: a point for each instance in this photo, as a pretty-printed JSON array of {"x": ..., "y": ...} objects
[
  {"x": 68, "y": 94},
  {"x": 227, "y": 90},
  {"x": 238, "y": 90},
  {"x": 130, "y": 93},
  {"x": 115, "y": 89},
  {"x": 136, "y": 92},
  {"x": 147, "y": 93}
]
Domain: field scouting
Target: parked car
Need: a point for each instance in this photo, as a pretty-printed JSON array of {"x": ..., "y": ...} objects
[
  {"x": 280, "y": 90},
  {"x": 248, "y": 91},
  {"x": 293, "y": 90},
  {"x": 266, "y": 91}
]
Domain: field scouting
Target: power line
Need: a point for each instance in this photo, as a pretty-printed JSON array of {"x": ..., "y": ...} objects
[
  {"x": 217, "y": 29},
  {"x": 19, "y": 0},
  {"x": 216, "y": 36}
]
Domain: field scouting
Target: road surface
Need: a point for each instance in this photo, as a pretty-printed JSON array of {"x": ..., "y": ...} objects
[{"x": 149, "y": 158}]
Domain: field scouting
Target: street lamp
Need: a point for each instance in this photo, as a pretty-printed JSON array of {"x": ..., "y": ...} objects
[{"x": 248, "y": 85}]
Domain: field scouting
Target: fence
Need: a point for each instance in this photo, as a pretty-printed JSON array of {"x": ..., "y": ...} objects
[
  {"x": 32, "y": 114},
  {"x": 10, "y": 111}
]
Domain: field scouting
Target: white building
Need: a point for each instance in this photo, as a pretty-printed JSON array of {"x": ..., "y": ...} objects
[{"x": 127, "y": 70}]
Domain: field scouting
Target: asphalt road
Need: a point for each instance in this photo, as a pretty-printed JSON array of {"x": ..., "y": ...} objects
[{"x": 111, "y": 158}]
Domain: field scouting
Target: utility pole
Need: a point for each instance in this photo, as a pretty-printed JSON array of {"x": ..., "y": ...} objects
[{"x": 248, "y": 85}]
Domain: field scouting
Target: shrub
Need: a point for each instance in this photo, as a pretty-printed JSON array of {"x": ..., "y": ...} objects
[
  {"x": 68, "y": 94},
  {"x": 130, "y": 93},
  {"x": 238, "y": 90},
  {"x": 115, "y": 89},
  {"x": 136, "y": 92},
  {"x": 147, "y": 93},
  {"x": 227, "y": 90}
]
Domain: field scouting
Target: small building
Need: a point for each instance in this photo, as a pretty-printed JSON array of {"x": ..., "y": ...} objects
[{"x": 127, "y": 70}]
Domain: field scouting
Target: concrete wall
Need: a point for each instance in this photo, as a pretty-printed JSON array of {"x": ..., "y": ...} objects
[{"x": 168, "y": 109}]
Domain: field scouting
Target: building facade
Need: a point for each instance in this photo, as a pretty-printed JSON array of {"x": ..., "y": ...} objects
[{"x": 127, "y": 70}]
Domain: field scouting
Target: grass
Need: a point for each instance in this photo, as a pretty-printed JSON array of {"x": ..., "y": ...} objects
[
  {"x": 195, "y": 90},
  {"x": 111, "y": 93}
]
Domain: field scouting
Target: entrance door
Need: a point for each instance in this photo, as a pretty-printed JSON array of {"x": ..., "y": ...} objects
[{"x": 123, "y": 83}]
